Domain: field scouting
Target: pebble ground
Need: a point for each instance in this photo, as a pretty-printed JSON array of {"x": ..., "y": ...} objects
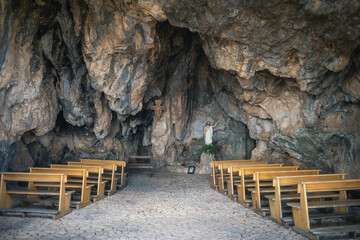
[{"x": 165, "y": 205}]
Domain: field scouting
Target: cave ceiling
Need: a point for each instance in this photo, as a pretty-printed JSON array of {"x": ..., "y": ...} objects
[{"x": 78, "y": 79}]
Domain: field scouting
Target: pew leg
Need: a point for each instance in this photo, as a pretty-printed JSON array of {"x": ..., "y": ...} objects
[
  {"x": 102, "y": 190},
  {"x": 342, "y": 196},
  {"x": 85, "y": 198},
  {"x": 67, "y": 201},
  {"x": 5, "y": 200},
  {"x": 254, "y": 201},
  {"x": 31, "y": 186},
  {"x": 274, "y": 211},
  {"x": 113, "y": 187},
  {"x": 220, "y": 189},
  {"x": 242, "y": 197},
  {"x": 100, "y": 193},
  {"x": 298, "y": 221},
  {"x": 64, "y": 208}
]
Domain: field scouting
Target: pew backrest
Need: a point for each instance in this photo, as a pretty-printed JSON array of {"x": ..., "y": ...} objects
[
  {"x": 331, "y": 185},
  {"x": 68, "y": 172},
  {"x": 292, "y": 180},
  {"x": 251, "y": 170},
  {"x": 270, "y": 175},
  {"x": 91, "y": 169},
  {"x": 117, "y": 162},
  {"x": 106, "y": 166},
  {"x": 216, "y": 163},
  {"x": 224, "y": 166},
  {"x": 38, "y": 177},
  {"x": 237, "y": 168}
]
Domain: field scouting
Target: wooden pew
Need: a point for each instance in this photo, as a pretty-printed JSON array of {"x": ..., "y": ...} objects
[
  {"x": 261, "y": 177},
  {"x": 301, "y": 210},
  {"x": 234, "y": 169},
  {"x": 229, "y": 176},
  {"x": 215, "y": 164},
  {"x": 97, "y": 171},
  {"x": 120, "y": 164},
  {"x": 6, "y": 195},
  {"x": 224, "y": 166},
  {"x": 83, "y": 174},
  {"x": 248, "y": 172},
  {"x": 276, "y": 201},
  {"x": 107, "y": 167}
]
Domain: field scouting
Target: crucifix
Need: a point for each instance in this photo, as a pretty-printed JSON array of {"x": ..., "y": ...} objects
[{"x": 158, "y": 109}]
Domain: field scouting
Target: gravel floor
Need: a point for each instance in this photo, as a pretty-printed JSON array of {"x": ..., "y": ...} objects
[{"x": 164, "y": 206}]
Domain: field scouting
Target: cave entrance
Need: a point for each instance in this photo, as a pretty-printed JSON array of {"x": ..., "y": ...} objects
[{"x": 194, "y": 93}]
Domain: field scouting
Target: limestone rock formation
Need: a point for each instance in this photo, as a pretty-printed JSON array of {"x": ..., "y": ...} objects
[{"x": 78, "y": 79}]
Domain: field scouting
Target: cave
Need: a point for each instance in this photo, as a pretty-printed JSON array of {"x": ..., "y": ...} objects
[{"x": 78, "y": 80}]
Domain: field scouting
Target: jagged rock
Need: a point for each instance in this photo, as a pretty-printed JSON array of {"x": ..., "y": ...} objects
[
  {"x": 103, "y": 116},
  {"x": 78, "y": 79},
  {"x": 119, "y": 50}
]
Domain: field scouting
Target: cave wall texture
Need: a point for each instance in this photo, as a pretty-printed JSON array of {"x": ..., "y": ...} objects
[{"x": 78, "y": 79}]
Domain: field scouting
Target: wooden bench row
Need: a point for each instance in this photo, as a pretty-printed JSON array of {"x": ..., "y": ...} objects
[
  {"x": 56, "y": 185},
  {"x": 6, "y": 194},
  {"x": 290, "y": 195}
]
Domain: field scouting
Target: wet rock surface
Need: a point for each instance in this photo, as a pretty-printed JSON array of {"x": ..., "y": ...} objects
[{"x": 164, "y": 206}]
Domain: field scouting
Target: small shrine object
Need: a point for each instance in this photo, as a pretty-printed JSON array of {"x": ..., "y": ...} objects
[{"x": 158, "y": 109}]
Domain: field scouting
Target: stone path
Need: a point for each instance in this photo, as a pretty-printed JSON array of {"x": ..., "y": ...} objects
[{"x": 165, "y": 206}]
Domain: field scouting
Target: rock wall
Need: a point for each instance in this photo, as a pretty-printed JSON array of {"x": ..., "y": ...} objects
[{"x": 78, "y": 79}]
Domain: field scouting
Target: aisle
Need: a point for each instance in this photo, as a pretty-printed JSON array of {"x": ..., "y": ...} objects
[{"x": 164, "y": 206}]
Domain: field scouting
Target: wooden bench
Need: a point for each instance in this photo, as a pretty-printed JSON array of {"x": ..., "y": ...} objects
[
  {"x": 234, "y": 169},
  {"x": 225, "y": 177},
  {"x": 301, "y": 210},
  {"x": 97, "y": 171},
  {"x": 222, "y": 167},
  {"x": 145, "y": 162},
  {"x": 261, "y": 187},
  {"x": 215, "y": 164},
  {"x": 279, "y": 182},
  {"x": 222, "y": 179},
  {"x": 83, "y": 174},
  {"x": 248, "y": 172},
  {"x": 120, "y": 164},
  {"x": 6, "y": 195},
  {"x": 111, "y": 170}
]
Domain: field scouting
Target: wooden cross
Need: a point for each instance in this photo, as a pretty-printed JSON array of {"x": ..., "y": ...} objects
[{"x": 158, "y": 109}]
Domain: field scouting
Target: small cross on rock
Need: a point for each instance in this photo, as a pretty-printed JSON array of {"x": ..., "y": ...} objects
[{"x": 158, "y": 109}]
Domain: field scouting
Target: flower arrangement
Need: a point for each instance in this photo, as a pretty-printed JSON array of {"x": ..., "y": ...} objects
[{"x": 209, "y": 149}]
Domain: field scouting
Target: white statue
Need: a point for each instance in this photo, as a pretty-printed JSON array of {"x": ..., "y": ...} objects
[{"x": 208, "y": 132}]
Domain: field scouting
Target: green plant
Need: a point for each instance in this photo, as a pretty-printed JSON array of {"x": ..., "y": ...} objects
[{"x": 209, "y": 149}]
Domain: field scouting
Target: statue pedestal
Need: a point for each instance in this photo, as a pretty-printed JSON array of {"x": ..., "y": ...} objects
[{"x": 204, "y": 166}]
